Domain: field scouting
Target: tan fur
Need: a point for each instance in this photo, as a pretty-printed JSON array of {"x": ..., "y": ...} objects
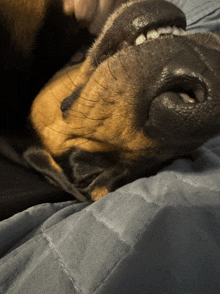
[
  {"x": 98, "y": 193},
  {"x": 101, "y": 118}
]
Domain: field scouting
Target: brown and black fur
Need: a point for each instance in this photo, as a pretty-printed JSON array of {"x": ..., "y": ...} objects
[
  {"x": 118, "y": 116},
  {"x": 37, "y": 39}
]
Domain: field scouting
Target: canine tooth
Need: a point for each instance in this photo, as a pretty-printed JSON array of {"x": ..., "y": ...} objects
[
  {"x": 140, "y": 40},
  {"x": 152, "y": 34}
]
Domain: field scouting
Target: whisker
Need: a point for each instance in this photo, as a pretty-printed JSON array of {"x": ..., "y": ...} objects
[
  {"x": 106, "y": 101},
  {"x": 126, "y": 71},
  {"x": 86, "y": 139},
  {"x": 99, "y": 93},
  {"x": 96, "y": 60},
  {"x": 72, "y": 110},
  {"x": 51, "y": 127},
  {"x": 106, "y": 88},
  {"x": 82, "y": 143},
  {"x": 73, "y": 128},
  {"x": 81, "y": 97},
  {"x": 88, "y": 99},
  {"x": 58, "y": 103},
  {"x": 78, "y": 137},
  {"x": 70, "y": 79},
  {"x": 77, "y": 87},
  {"x": 111, "y": 72}
]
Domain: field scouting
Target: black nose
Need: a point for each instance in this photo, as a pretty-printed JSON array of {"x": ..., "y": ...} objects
[{"x": 187, "y": 105}]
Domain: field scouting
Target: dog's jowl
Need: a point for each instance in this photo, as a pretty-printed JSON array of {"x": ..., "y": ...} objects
[{"x": 146, "y": 93}]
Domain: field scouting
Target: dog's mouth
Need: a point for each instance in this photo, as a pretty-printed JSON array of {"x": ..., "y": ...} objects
[
  {"x": 169, "y": 22},
  {"x": 149, "y": 34}
]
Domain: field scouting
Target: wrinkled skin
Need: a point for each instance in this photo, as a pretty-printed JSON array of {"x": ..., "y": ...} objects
[{"x": 120, "y": 115}]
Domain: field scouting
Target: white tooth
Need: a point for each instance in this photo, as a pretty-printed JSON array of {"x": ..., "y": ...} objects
[
  {"x": 162, "y": 31},
  {"x": 152, "y": 34},
  {"x": 140, "y": 39},
  {"x": 176, "y": 31},
  {"x": 169, "y": 30},
  {"x": 182, "y": 32}
]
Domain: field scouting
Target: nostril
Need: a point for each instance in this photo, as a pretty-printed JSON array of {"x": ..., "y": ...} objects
[{"x": 188, "y": 89}]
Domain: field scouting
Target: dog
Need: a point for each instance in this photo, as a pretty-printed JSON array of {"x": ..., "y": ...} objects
[{"x": 144, "y": 93}]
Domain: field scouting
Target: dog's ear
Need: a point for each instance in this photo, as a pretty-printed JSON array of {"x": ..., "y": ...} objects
[
  {"x": 98, "y": 173},
  {"x": 85, "y": 175},
  {"x": 43, "y": 162}
]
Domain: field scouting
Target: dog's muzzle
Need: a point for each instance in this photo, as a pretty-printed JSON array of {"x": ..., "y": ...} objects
[
  {"x": 185, "y": 110},
  {"x": 176, "y": 75},
  {"x": 146, "y": 93}
]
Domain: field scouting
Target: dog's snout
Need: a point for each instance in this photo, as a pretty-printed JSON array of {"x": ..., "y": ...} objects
[{"x": 186, "y": 106}]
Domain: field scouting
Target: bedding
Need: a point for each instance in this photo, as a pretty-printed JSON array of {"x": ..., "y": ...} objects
[{"x": 159, "y": 234}]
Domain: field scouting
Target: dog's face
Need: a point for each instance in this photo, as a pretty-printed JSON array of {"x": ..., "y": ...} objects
[{"x": 146, "y": 93}]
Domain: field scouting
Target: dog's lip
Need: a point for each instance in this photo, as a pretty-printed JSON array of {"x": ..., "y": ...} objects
[
  {"x": 129, "y": 40},
  {"x": 138, "y": 18}
]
